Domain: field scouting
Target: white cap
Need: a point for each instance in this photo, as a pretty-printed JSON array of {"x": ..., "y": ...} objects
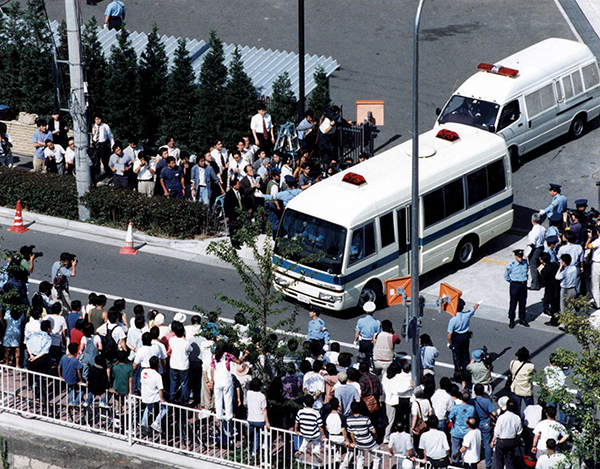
[
  {"x": 159, "y": 319},
  {"x": 502, "y": 402},
  {"x": 369, "y": 307},
  {"x": 179, "y": 317}
]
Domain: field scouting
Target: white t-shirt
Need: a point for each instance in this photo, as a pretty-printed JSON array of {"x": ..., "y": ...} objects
[
  {"x": 314, "y": 382},
  {"x": 144, "y": 173},
  {"x": 425, "y": 407},
  {"x": 180, "y": 352},
  {"x": 547, "y": 429},
  {"x": 58, "y": 153},
  {"x": 256, "y": 403},
  {"x": 442, "y": 404},
  {"x": 69, "y": 155},
  {"x": 472, "y": 441},
  {"x": 532, "y": 415},
  {"x": 31, "y": 327},
  {"x": 59, "y": 324},
  {"x": 142, "y": 357},
  {"x": 160, "y": 352},
  {"x": 552, "y": 461},
  {"x": 117, "y": 332},
  {"x": 206, "y": 355},
  {"x": 400, "y": 443},
  {"x": 334, "y": 424},
  {"x": 435, "y": 443},
  {"x": 151, "y": 385}
]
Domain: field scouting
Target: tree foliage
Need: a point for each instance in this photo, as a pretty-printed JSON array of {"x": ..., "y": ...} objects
[
  {"x": 154, "y": 70},
  {"x": 319, "y": 96},
  {"x": 95, "y": 65},
  {"x": 211, "y": 93},
  {"x": 240, "y": 100},
  {"x": 181, "y": 97},
  {"x": 284, "y": 106},
  {"x": 123, "y": 89},
  {"x": 581, "y": 407}
]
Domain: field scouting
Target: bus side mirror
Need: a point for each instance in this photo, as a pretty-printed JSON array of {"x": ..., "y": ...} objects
[
  {"x": 492, "y": 128},
  {"x": 438, "y": 111}
]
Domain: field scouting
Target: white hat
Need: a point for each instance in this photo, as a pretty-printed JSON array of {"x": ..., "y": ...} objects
[
  {"x": 179, "y": 317},
  {"x": 502, "y": 402},
  {"x": 369, "y": 307},
  {"x": 159, "y": 319}
]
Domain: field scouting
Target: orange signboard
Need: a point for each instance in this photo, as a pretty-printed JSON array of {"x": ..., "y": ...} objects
[
  {"x": 454, "y": 294},
  {"x": 391, "y": 290}
]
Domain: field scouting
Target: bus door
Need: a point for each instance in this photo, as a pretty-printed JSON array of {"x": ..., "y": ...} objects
[{"x": 403, "y": 227}]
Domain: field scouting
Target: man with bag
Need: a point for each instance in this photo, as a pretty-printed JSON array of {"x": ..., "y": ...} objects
[
  {"x": 61, "y": 271},
  {"x": 371, "y": 391}
]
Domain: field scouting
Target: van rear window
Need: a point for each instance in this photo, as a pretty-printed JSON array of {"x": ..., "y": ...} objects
[{"x": 590, "y": 75}]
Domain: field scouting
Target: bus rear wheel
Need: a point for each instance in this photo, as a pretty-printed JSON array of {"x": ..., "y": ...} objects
[
  {"x": 465, "y": 252},
  {"x": 577, "y": 127},
  {"x": 372, "y": 291}
]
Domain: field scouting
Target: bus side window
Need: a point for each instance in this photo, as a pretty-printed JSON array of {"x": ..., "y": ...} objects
[
  {"x": 363, "y": 243},
  {"x": 386, "y": 229},
  {"x": 402, "y": 231}
]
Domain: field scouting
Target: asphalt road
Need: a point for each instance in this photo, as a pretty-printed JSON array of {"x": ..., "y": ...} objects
[{"x": 372, "y": 41}]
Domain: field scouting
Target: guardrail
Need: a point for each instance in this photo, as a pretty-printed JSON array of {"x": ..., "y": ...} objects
[{"x": 175, "y": 428}]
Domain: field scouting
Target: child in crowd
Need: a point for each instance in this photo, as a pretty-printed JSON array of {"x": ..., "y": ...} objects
[{"x": 309, "y": 426}]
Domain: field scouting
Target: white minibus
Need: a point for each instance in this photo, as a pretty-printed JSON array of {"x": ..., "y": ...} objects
[
  {"x": 351, "y": 232},
  {"x": 547, "y": 90}
]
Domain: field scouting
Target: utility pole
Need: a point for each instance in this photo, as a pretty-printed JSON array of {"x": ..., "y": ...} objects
[
  {"x": 414, "y": 212},
  {"x": 77, "y": 103},
  {"x": 301, "y": 89}
]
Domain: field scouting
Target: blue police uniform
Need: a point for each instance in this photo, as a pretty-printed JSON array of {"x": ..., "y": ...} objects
[
  {"x": 557, "y": 205},
  {"x": 367, "y": 327},
  {"x": 317, "y": 331},
  {"x": 516, "y": 274},
  {"x": 115, "y": 11},
  {"x": 458, "y": 327}
]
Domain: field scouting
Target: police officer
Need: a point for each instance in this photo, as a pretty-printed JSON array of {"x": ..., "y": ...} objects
[
  {"x": 558, "y": 203},
  {"x": 459, "y": 336},
  {"x": 516, "y": 275},
  {"x": 551, "y": 242},
  {"x": 317, "y": 329},
  {"x": 581, "y": 206},
  {"x": 555, "y": 221}
]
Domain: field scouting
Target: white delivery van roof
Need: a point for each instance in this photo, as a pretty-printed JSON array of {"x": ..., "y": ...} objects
[
  {"x": 541, "y": 62},
  {"x": 389, "y": 175}
]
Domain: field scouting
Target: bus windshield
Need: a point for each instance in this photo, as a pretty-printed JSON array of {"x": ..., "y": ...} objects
[
  {"x": 313, "y": 242},
  {"x": 469, "y": 111}
]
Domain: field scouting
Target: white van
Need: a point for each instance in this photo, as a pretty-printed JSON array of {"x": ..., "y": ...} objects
[{"x": 531, "y": 97}]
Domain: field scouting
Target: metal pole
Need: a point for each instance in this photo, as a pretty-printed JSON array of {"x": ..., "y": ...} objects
[
  {"x": 77, "y": 103},
  {"x": 414, "y": 212},
  {"x": 301, "y": 90}
]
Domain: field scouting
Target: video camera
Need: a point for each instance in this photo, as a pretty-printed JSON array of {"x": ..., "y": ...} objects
[{"x": 28, "y": 251}]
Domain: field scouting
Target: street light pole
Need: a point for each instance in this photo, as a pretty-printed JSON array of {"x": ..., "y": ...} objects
[
  {"x": 301, "y": 90},
  {"x": 77, "y": 104},
  {"x": 414, "y": 212}
]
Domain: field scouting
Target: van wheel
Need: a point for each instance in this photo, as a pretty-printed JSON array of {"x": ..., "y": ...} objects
[
  {"x": 372, "y": 291},
  {"x": 577, "y": 127},
  {"x": 465, "y": 252}
]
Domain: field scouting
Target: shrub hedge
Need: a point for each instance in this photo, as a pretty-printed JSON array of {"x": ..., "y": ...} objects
[{"x": 56, "y": 195}]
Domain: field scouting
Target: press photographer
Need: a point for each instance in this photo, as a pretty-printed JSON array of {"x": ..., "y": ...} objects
[
  {"x": 28, "y": 257},
  {"x": 61, "y": 271}
]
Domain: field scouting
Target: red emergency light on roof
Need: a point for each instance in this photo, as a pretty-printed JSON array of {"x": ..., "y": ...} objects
[
  {"x": 498, "y": 70},
  {"x": 449, "y": 135},
  {"x": 355, "y": 179}
]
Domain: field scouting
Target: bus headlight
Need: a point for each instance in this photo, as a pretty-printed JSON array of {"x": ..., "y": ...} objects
[
  {"x": 281, "y": 282},
  {"x": 330, "y": 298}
]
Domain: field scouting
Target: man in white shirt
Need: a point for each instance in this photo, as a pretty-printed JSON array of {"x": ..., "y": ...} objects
[
  {"x": 314, "y": 384},
  {"x": 55, "y": 153},
  {"x": 535, "y": 238},
  {"x": 552, "y": 460},
  {"x": 133, "y": 149},
  {"x": 152, "y": 396},
  {"x": 145, "y": 170},
  {"x": 70, "y": 156},
  {"x": 435, "y": 444},
  {"x": 442, "y": 402},
  {"x": 471, "y": 445},
  {"x": 180, "y": 363},
  {"x": 262, "y": 129},
  {"x": 506, "y": 436},
  {"x": 546, "y": 429},
  {"x": 102, "y": 141},
  {"x": 220, "y": 156}
]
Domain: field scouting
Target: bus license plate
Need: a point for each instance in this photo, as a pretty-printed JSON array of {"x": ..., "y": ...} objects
[{"x": 303, "y": 299}]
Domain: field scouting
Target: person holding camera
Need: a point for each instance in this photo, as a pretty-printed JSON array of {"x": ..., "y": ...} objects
[
  {"x": 61, "y": 271},
  {"x": 145, "y": 171}
]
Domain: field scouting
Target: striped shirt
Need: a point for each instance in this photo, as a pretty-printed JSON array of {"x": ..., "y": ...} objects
[
  {"x": 362, "y": 429},
  {"x": 309, "y": 421}
]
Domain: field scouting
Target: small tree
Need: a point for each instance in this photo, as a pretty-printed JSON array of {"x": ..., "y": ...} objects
[
  {"x": 95, "y": 66},
  {"x": 582, "y": 408},
  {"x": 284, "y": 105},
  {"x": 12, "y": 40},
  {"x": 182, "y": 97},
  {"x": 319, "y": 96},
  {"x": 154, "y": 70},
  {"x": 240, "y": 100},
  {"x": 123, "y": 89},
  {"x": 261, "y": 302},
  {"x": 210, "y": 115}
]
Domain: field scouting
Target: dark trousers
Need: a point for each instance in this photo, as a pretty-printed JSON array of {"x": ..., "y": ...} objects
[
  {"x": 120, "y": 181},
  {"x": 460, "y": 353},
  {"x": 196, "y": 380},
  {"x": 234, "y": 226},
  {"x": 518, "y": 295},
  {"x": 504, "y": 454},
  {"x": 264, "y": 143},
  {"x": 103, "y": 152},
  {"x": 534, "y": 263}
]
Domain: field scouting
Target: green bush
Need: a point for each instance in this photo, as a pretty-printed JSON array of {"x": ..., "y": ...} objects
[
  {"x": 50, "y": 194},
  {"x": 56, "y": 195}
]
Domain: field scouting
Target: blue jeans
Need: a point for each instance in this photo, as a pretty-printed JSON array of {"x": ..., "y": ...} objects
[
  {"x": 72, "y": 389},
  {"x": 528, "y": 400},
  {"x": 177, "y": 378},
  {"x": 148, "y": 408},
  {"x": 90, "y": 398},
  {"x": 486, "y": 437},
  {"x": 456, "y": 444},
  {"x": 202, "y": 195},
  {"x": 255, "y": 429}
]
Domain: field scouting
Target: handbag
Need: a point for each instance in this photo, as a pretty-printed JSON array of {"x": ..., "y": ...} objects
[
  {"x": 371, "y": 401},
  {"x": 420, "y": 425},
  {"x": 59, "y": 281}
]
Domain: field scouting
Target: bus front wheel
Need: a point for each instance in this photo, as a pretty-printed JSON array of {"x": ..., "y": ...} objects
[
  {"x": 465, "y": 253},
  {"x": 372, "y": 291}
]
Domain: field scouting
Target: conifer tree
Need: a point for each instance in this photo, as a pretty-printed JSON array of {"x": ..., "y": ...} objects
[
  {"x": 283, "y": 101},
  {"x": 240, "y": 101},
  {"x": 319, "y": 96},
  {"x": 123, "y": 89},
  {"x": 212, "y": 82},
  {"x": 154, "y": 69},
  {"x": 95, "y": 67},
  {"x": 12, "y": 39},
  {"x": 182, "y": 99}
]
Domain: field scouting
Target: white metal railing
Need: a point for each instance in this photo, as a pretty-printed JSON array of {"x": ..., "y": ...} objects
[{"x": 197, "y": 433}]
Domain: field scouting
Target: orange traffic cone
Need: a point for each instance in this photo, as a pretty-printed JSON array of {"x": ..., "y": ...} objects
[
  {"x": 128, "y": 248},
  {"x": 18, "y": 226}
]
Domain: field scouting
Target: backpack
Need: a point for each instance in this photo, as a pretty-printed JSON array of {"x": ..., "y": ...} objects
[{"x": 110, "y": 348}]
